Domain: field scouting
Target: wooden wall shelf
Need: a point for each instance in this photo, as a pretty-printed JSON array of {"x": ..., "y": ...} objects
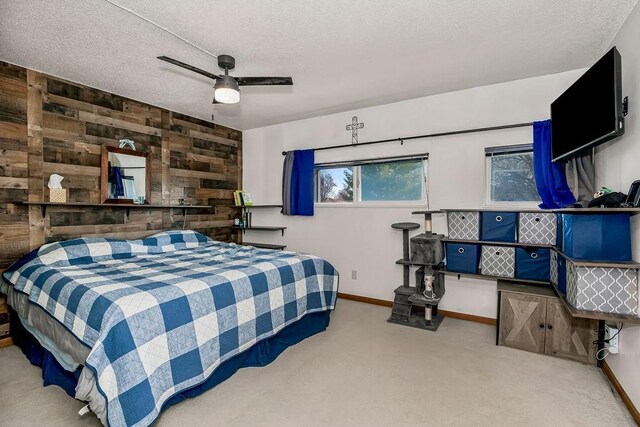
[
  {"x": 632, "y": 211},
  {"x": 260, "y": 228},
  {"x": 127, "y": 206},
  {"x": 485, "y": 276},
  {"x": 264, "y": 245},
  {"x": 488, "y": 243},
  {"x": 257, "y": 206}
]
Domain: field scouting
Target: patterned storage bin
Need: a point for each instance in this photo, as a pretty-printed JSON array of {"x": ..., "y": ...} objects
[
  {"x": 603, "y": 289},
  {"x": 538, "y": 228},
  {"x": 498, "y": 261},
  {"x": 533, "y": 264},
  {"x": 553, "y": 268},
  {"x": 464, "y": 225},
  {"x": 498, "y": 226},
  {"x": 462, "y": 257}
]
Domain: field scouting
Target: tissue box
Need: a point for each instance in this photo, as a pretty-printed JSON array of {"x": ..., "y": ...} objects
[{"x": 58, "y": 195}]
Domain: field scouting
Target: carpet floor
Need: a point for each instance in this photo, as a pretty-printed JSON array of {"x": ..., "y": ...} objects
[{"x": 364, "y": 371}]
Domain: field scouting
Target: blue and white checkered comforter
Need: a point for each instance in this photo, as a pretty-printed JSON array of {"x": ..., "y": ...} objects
[{"x": 160, "y": 314}]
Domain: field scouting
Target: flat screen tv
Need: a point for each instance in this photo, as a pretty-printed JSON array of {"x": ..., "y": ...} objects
[{"x": 589, "y": 113}]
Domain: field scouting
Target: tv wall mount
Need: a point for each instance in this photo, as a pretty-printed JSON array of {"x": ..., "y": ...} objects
[{"x": 625, "y": 106}]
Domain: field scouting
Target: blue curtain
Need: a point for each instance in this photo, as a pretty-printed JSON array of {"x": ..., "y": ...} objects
[
  {"x": 551, "y": 181},
  {"x": 301, "y": 181}
]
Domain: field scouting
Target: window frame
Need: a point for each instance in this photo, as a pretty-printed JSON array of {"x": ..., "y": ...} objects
[
  {"x": 502, "y": 151},
  {"x": 357, "y": 183}
]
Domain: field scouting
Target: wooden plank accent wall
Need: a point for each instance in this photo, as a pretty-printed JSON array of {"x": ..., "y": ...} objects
[{"x": 49, "y": 125}]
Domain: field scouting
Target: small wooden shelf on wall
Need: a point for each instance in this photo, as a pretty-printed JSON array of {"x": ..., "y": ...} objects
[
  {"x": 259, "y": 228},
  {"x": 127, "y": 206},
  {"x": 257, "y": 206},
  {"x": 631, "y": 211}
]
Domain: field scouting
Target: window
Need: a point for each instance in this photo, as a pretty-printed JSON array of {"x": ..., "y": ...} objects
[
  {"x": 335, "y": 185},
  {"x": 510, "y": 177},
  {"x": 374, "y": 180}
]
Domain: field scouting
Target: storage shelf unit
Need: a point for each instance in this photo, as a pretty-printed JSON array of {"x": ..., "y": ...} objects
[
  {"x": 604, "y": 317},
  {"x": 245, "y": 209}
]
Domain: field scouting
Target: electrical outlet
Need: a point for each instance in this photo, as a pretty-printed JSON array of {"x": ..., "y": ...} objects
[
  {"x": 354, "y": 274},
  {"x": 611, "y": 334}
]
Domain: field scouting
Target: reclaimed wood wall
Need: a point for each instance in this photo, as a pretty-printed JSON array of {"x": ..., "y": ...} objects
[{"x": 48, "y": 125}]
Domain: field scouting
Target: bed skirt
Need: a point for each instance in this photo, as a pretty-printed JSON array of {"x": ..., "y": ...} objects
[{"x": 261, "y": 354}]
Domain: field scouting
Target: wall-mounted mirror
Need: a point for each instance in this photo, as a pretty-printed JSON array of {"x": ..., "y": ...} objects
[{"x": 125, "y": 176}]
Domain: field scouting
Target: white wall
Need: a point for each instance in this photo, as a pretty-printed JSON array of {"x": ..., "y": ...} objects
[
  {"x": 617, "y": 167},
  {"x": 360, "y": 238}
]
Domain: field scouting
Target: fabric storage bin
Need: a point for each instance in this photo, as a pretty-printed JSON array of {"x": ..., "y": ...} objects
[
  {"x": 538, "y": 228},
  {"x": 498, "y": 261},
  {"x": 498, "y": 226},
  {"x": 562, "y": 274},
  {"x": 464, "y": 225},
  {"x": 462, "y": 257},
  {"x": 605, "y": 237},
  {"x": 533, "y": 264},
  {"x": 603, "y": 289},
  {"x": 553, "y": 267}
]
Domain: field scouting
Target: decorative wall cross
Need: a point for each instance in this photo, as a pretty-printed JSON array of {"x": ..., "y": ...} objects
[{"x": 353, "y": 127}]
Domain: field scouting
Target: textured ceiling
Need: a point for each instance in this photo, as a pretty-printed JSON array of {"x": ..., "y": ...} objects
[{"x": 342, "y": 54}]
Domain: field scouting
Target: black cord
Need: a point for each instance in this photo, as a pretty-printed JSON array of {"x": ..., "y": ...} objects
[{"x": 606, "y": 341}]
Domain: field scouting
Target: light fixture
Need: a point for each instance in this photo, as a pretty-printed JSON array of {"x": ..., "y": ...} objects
[{"x": 226, "y": 90}]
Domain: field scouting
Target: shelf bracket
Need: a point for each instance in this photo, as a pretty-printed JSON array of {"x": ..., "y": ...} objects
[{"x": 43, "y": 210}]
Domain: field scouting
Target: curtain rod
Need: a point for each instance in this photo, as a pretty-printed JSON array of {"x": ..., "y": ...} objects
[{"x": 429, "y": 135}]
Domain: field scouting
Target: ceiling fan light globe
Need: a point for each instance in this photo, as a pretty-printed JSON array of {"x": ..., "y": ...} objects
[{"x": 227, "y": 95}]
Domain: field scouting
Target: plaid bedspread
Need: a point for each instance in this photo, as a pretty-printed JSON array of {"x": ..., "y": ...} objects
[{"x": 160, "y": 314}]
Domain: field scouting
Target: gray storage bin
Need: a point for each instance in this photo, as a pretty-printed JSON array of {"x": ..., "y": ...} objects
[
  {"x": 553, "y": 270},
  {"x": 498, "y": 261},
  {"x": 537, "y": 228},
  {"x": 464, "y": 225},
  {"x": 603, "y": 289}
]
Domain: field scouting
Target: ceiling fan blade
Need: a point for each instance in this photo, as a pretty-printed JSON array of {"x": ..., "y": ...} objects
[
  {"x": 188, "y": 67},
  {"x": 264, "y": 81}
]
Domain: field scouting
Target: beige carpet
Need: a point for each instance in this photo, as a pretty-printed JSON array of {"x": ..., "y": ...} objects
[{"x": 364, "y": 371}]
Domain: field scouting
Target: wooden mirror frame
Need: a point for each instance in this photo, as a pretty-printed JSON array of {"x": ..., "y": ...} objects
[{"x": 104, "y": 175}]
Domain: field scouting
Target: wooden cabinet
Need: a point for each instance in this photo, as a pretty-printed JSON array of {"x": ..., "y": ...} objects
[
  {"x": 523, "y": 321},
  {"x": 533, "y": 318}
]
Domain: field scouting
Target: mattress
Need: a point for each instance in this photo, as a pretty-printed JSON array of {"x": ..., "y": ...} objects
[{"x": 155, "y": 317}]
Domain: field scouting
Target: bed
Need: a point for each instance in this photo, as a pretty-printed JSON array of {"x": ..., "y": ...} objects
[{"x": 142, "y": 324}]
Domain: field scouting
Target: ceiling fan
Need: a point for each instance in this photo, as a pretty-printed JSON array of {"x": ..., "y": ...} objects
[{"x": 226, "y": 89}]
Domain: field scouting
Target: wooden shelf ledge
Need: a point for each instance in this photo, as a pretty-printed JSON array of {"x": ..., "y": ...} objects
[
  {"x": 264, "y": 245},
  {"x": 127, "y": 206},
  {"x": 257, "y": 206},
  {"x": 488, "y": 243}
]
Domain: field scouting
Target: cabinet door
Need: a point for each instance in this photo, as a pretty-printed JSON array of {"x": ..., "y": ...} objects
[
  {"x": 569, "y": 337},
  {"x": 522, "y": 321}
]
